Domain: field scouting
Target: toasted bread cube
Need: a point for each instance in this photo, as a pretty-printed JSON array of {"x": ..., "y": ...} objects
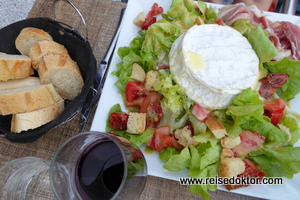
[
  {"x": 230, "y": 142},
  {"x": 216, "y": 127},
  {"x": 138, "y": 73},
  {"x": 230, "y": 166},
  {"x": 152, "y": 78},
  {"x": 136, "y": 123},
  {"x": 140, "y": 19},
  {"x": 185, "y": 137}
]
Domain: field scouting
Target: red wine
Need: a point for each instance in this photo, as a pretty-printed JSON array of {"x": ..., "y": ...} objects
[{"x": 100, "y": 171}]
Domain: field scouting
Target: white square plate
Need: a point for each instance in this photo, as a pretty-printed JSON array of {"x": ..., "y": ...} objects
[{"x": 110, "y": 96}]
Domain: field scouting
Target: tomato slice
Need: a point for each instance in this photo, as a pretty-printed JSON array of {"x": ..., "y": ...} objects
[
  {"x": 135, "y": 94},
  {"x": 155, "y": 10},
  {"x": 118, "y": 120},
  {"x": 162, "y": 139},
  {"x": 150, "y": 19},
  {"x": 201, "y": 113},
  {"x": 153, "y": 115},
  {"x": 274, "y": 110},
  {"x": 152, "y": 98}
]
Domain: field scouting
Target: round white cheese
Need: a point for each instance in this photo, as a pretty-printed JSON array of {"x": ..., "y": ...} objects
[{"x": 213, "y": 64}]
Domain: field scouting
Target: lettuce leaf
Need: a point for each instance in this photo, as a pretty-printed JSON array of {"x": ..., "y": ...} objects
[
  {"x": 281, "y": 162},
  {"x": 291, "y": 67},
  {"x": 245, "y": 107}
]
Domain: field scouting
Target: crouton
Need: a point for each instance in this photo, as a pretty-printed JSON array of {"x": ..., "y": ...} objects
[
  {"x": 140, "y": 19},
  {"x": 230, "y": 142},
  {"x": 136, "y": 123},
  {"x": 138, "y": 73},
  {"x": 185, "y": 137},
  {"x": 230, "y": 166},
  {"x": 216, "y": 127},
  {"x": 152, "y": 78}
]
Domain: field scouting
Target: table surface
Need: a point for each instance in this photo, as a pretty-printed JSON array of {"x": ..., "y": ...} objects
[{"x": 101, "y": 17}]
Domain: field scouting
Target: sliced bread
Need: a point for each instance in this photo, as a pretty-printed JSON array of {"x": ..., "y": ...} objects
[
  {"x": 17, "y": 83},
  {"x": 14, "y": 66},
  {"x": 34, "y": 119},
  {"x": 43, "y": 48},
  {"x": 28, "y": 37},
  {"x": 26, "y": 99},
  {"x": 63, "y": 73}
]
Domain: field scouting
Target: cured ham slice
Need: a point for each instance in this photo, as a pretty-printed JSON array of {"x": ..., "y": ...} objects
[
  {"x": 249, "y": 142},
  {"x": 284, "y": 35}
]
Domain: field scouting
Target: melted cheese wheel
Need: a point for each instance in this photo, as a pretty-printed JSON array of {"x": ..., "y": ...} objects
[{"x": 213, "y": 64}]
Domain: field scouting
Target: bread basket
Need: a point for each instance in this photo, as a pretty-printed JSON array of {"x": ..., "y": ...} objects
[{"x": 80, "y": 51}]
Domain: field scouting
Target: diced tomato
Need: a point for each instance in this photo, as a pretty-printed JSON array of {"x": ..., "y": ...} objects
[
  {"x": 151, "y": 106},
  {"x": 155, "y": 10},
  {"x": 272, "y": 83},
  {"x": 249, "y": 142},
  {"x": 162, "y": 138},
  {"x": 201, "y": 113},
  {"x": 153, "y": 115},
  {"x": 251, "y": 170},
  {"x": 150, "y": 19},
  {"x": 274, "y": 110},
  {"x": 219, "y": 21},
  {"x": 135, "y": 94},
  {"x": 148, "y": 22},
  {"x": 162, "y": 66},
  {"x": 118, "y": 120},
  {"x": 152, "y": 98}
]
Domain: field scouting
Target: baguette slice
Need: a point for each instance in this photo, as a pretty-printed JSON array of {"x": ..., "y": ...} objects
[
  {"x": 28, "y": 37},
  {"x": 42, "y": 48},
  {"x": 63, "y": 73},
  {"x": 14, "y": 66},
  {"x": 34, "y": 119},
  {"x": 17, "y": 83},
  {"x": 26, "y": 99}
]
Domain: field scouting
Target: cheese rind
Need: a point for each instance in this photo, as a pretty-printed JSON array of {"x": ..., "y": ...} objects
[{"x": 227, "y": 64}]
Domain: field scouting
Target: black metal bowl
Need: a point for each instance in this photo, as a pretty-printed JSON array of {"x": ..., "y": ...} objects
[{"x": 79, "y": 50}]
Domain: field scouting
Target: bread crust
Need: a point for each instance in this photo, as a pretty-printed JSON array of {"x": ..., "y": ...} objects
[
  {"x": 26, "y": 99},
  {"x": 34, "y": 119},
  {"x": 14, "y": 67},
  {"x": 42, "y": 48},
  {"x": 28, "y": 37}
]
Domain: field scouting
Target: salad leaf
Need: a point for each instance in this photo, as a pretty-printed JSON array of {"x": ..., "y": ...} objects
[
  {"x": 179, "y": 161},
  {"x": 291, "y": 120},
  {"x": 204, "y": 163},
  {"x": 174, "y": 98},
  {"x": 281, "y": 162},
  {"x": 167, "y": 153},
  {"x": 290, "y": 67},
  {"x": 245, "y": 107},
  {"x": 264, "y": 48}
]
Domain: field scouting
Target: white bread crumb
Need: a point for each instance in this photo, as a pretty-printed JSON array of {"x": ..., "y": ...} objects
[
  {"x": 152, "y": 78},
  {"x": 140, "y": 19},
  {"x": 185, "y": 138},
  {"x": 136, "y": 123},
  {"x": 230, "y": 142},
  {"x": 138, "y": 73},
  {"x": 216, "y": 127}
]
